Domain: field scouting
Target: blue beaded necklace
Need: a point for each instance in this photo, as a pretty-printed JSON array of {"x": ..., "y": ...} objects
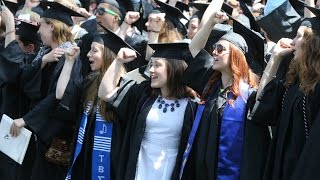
[{"x": 165, "y": 106}]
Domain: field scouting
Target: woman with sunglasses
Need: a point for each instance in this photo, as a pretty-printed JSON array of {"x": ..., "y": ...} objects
[
  {"x": 226, "y": 85},
  {"x": 288, "y": 98},
  {"x": 52, "y": 118}
]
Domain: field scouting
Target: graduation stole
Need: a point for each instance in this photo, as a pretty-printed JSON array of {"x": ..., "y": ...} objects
[
  {"x": 101, "y": 160},
  {"x": 231, "y": 135}
]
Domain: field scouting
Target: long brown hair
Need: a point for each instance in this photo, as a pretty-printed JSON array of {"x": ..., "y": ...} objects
[
  {"x": 177, "y": 89},
  {"x": 91, "y": 92},
  {"x": 240, "y": 71},
  {"x": 169, "y": 33},
  {"x": 306, "y": 67}
]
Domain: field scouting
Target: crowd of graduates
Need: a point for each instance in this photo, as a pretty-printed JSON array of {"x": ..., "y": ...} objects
[{"x": 162, "y": 89}]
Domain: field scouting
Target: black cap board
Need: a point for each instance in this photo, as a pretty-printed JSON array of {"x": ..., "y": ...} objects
[
  {"x": 173, "y": 14},
  {"x": 255, "y": 43},
  {"x": 114, "y": 42},
  {"x": 58, "y": 11},
  {"x": 176, "y": 51},
  {"x": 28, "y": 30},
  {"x": 13, "y": 7},
  {"x": 203, "y": 6},
  {"x": 182, "y": 6}
]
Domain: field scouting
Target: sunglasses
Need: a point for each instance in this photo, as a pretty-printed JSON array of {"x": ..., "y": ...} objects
[
  {"x": 219, "y": 48},
  {"x": 102, "y": 11}
]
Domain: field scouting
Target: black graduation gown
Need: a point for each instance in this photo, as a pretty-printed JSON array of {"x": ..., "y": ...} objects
[
  {"x": 15, "y": 104},
  {"x": 82, "y": 169},
  {"x": 202, "y": 162},
  {"x": 50, "y": 117},
  {"x": 133, "y": 105},
  {"x": 290, "y": 148}
]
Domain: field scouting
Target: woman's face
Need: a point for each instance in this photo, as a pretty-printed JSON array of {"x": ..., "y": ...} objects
[
  {"x": 45, "y": 31},
  {"x": 95, "y": 56},
  {"x": 220, "y": 54},
  {"x": 193, "y": 27},
  {"x": 158, "y": 73},
  {"x": 297, "y": 41}
]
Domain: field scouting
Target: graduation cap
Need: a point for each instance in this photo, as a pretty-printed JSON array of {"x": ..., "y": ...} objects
[
  {"x": 314, "y": 10},
  {"x": 182, "y": 6},
  {"x": 217, "y": 32},
  {"x": 298, "y": 6},
  {"x": 178, "y": 50},
  {"x": 173, "y": 14},
  {"x": 38, "y": 9},
  {"x": 28, "y": 31},
  {"x": 255, "y": 42},
  {"x": 253, "y": 23},
  {"x": 113, "y": 41},
  {"x": 203, "y": 6},
  {"x": 58, "y": 11},
  {"x": 312, "y": 23},
  {"x": 13, "y": 7},
  {"x": 283, "y": 21}
]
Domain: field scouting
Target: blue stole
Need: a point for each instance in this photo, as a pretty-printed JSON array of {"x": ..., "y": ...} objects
[
  {"x": 101, "y": 160},
  {"x": 231, "y": 136}
]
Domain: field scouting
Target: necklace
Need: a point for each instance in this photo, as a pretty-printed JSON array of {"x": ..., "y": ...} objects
[{"x": 165, "y": 106}]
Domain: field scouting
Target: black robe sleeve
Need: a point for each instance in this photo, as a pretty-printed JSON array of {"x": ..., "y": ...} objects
[
  {"x": 199, "y": 71},
  {"x": 11, "y": 58}
]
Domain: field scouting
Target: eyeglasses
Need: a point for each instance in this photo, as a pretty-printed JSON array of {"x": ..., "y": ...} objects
[
  {"x": 101, "y": 11},
  {"x": 219, "y": 48}
]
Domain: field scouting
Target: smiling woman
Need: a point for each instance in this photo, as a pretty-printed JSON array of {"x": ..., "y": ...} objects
[{"x": 158, "y": 114}]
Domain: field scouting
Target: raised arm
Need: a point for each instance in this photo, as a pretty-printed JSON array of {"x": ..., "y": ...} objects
[
  {"x": 109, "y": 82},
  {"x": 211, "y": 17},
  {"x": 71, "y": 54},
  {"x": 282, "y": 48},
  {"x": 130, "y": 18}
]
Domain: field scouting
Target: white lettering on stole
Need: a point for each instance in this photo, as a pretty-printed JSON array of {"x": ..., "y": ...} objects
[
  {"x": 101, "y": 157},
  {"x": 101, "y": 177},
  {"x": 101, "y": 169}
]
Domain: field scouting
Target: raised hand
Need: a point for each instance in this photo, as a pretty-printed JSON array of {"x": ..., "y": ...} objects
[
  {"x": 71, "y": 53},
  {"x": 53, "y": 55},
  {"x": 126, "y": 55},
  {"x": 131, "y": 17},
  {"x": 283, "y": 47}
]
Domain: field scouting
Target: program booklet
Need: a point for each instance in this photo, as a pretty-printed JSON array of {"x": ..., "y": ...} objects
[{"x": 14, "y": 147}]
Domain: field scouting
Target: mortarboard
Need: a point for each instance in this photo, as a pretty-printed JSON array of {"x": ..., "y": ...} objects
[
  {"x": 255, "y": 43},
  {"x": 182, "y": 6},
  {"x": 55, "y": 10},
  {"x": 284, "y": 21},
  {"x": 217, "y": 32},
  {"x": 173, "y": 14},
  {"x": 113, "y": 41},
  {"x": 13, "y": 7},
  {"x": 253, "y": 23},
  {"x": 38, "y": 9},
  {"x": 312, "y": 23},
  {"x": 314, "y": 10},
  {"x": 203, "y": 6},
  {"x": 28, "y": 31},
  {"x": 178, "y": 51},
  {"x": 298, "y": 6}
]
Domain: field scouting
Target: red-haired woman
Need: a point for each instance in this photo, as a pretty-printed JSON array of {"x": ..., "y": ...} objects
[{"x": 226, "y": 85}]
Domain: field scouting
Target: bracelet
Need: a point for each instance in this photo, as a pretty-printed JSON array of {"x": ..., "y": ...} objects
[
  {"x": 10, "y": 32},
  {"x": 154, "y": 31}
]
